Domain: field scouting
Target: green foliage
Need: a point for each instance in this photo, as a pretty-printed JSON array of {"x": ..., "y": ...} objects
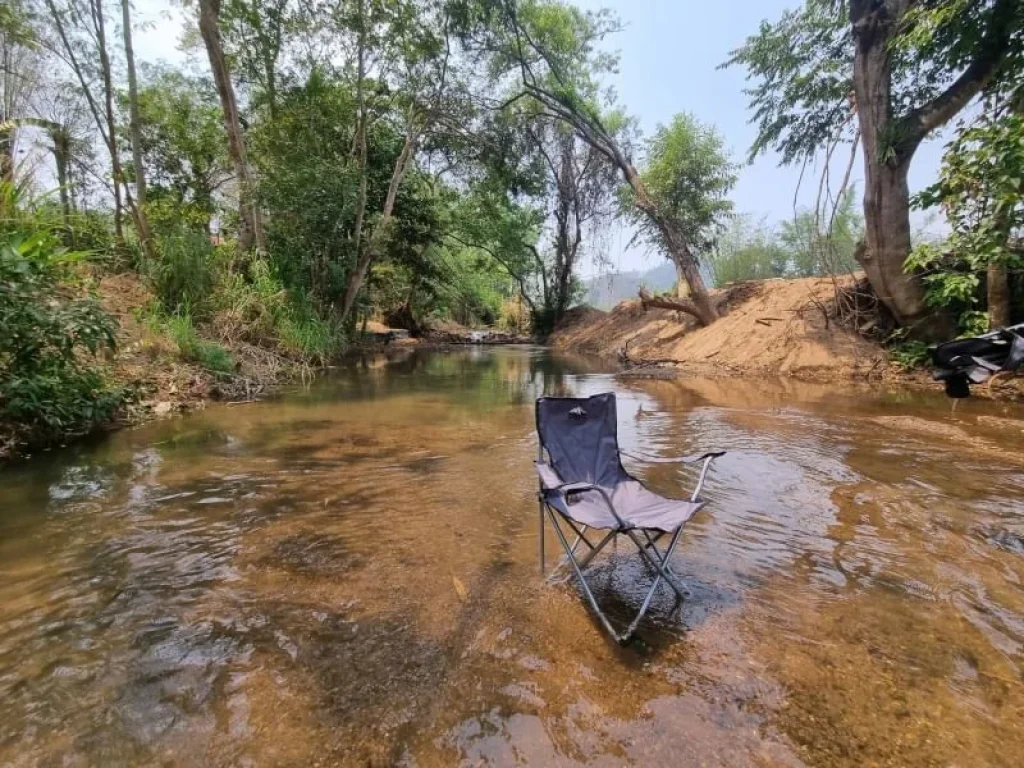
[
  {"x": 823, "y": 242},
  {"x": 51, "y": 383},
  {"x": 803, "y": 247},
  {"x": 184, "y": 277},
  {"x": 973, "y": 323},
  {"x": 194, "y": 349},
  {"x": 909, "y": 354},
  {"x": 257, "y": 308},
  {"x": 688, "y": 174},
  {"x": 183, "y": 148},
  {"x": 802, "y": 68},
  {"x": 981, "y": 190},
  {"x": 747, "y": 250}
]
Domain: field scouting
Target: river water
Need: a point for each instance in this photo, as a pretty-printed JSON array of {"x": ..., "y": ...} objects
[{"x": 348, "y": 575}]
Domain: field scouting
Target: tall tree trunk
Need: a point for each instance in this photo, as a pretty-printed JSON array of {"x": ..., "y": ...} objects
[
  {"x": 886, "y": 194},
  {"x": 565, "y": 194},
  {"x": 355, "y": 281},
  {"x": 135, "y": 127},
  {"x": 7, "y": 130},
  {"x": 250, "y": 232},
  {"x": 61, "y": 149},
  {"x": 360, "y": 150},
  {"x": 682, "y": 287},
  {"x": 890, "y": 144},
  {"x": 100, "y": 24},
  {"x": 998, "y": 289}
]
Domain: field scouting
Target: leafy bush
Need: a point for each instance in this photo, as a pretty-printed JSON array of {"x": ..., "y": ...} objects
[{"x": 50, "y": 382}]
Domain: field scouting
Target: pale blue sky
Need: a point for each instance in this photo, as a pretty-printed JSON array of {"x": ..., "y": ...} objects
[{"x": 669, "y": 56}]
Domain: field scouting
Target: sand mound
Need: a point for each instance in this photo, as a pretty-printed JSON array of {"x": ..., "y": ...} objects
[{"x": 774, "y": 326}]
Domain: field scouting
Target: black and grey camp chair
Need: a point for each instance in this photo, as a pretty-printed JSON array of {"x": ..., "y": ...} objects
[{"x": 584, "y": 485}]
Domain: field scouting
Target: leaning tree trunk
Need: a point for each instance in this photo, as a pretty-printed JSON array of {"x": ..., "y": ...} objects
[
  {"x": 108, "y": 112},
  {"x": 250, "y": 232},
  {"x": 678, "y": 250},
  {"x": 135, "y": 128},
  {"x": 358, "y": 276}
]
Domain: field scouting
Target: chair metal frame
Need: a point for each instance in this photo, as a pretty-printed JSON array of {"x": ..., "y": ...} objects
[{"x": 659, "y": 562}]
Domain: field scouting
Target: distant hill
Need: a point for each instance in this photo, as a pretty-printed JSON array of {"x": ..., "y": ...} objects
[{"x": 605, "y": 291}]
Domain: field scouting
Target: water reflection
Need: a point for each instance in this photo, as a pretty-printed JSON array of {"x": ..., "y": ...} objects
[{"x": 347, "y": 575}]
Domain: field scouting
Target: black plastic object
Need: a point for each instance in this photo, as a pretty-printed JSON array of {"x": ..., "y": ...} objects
[{"x": 963, "y": 362}]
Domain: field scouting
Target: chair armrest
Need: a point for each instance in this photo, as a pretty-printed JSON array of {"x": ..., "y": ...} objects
[
  {"x": 551, "y": 483},
  {"x": 706, "y": 459},
  {"x": 674, "y": 459}
]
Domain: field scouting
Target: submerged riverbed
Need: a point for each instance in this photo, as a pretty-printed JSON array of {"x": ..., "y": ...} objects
[{"x": 348, "y": 575}]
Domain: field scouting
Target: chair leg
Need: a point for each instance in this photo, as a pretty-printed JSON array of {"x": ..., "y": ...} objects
[
  {"x": 595, "y": 549},
  {"x": 540, "y": 509},
  {"x": 583, "y": 581},
  {"x": 661, "y": 566},
  {"x": 659, "y": 563},
  {"x": 652, "y": 544}
]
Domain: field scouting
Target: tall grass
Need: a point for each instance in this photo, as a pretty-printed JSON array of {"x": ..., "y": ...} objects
[
  {"x": 186, "y": 274},
  {"x": 207, "y": 354}
]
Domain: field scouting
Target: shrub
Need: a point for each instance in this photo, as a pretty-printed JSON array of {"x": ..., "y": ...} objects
[{"x": 51, "y": 384}]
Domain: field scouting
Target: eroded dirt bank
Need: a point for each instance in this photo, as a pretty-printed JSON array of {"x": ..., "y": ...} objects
[{"x": 790, "y": 328}]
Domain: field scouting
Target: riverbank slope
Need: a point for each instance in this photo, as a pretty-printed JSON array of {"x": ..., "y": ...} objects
[{"x": 807, "y": 328}]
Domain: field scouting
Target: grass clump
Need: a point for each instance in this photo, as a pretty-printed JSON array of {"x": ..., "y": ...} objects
[{"x": 207, "y": 354}]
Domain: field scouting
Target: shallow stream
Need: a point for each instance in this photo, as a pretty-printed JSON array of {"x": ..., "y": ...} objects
[{"x": 348, "y": 575}]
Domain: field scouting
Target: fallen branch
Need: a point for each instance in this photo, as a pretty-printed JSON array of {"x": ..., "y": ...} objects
[
  {"x": 633, "y": 363},
  {"x": 677, "y": 305}
]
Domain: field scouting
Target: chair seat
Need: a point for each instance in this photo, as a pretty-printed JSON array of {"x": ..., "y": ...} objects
[{"x": 638, "y": 506}]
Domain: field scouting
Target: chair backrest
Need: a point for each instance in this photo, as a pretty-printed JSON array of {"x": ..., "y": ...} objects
[{"x": 581, "y": 438}]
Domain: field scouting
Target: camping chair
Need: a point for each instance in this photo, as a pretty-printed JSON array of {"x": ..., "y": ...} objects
[{"x": 584, "y": 485}]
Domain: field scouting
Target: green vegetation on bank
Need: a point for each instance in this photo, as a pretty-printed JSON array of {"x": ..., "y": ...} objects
[
  {"x": 53, "y": 380},
  {"x": 428, "y": 162}
]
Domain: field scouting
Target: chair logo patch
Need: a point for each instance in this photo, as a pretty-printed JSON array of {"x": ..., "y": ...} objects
[{"x": 578, "y": 413}]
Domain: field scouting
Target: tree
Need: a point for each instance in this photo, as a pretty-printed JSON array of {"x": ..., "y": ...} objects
[
  {"x": 552, "y": 48},
  {"x": 488, "y": 220},
  {"x": 981, "y": 190},
  {"x": 250, "y": 234},
  {"x": 893, "y": 70},
  {"x": 138, "y": 167},
  {"x": 748, "y": 249},
  {"x": 19, "y": 67},
  {"x": 687, "y": 174},
  {"x": 82, "y": 44},
  {"x": 415, "y": 73},
  {"x": 255, "y": 32},
  {"x": 181, "y": 138}
]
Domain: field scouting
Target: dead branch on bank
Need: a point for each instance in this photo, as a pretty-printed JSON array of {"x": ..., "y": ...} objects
[
  {"x": 634, "y": 363},
  {"x": 663, "y": 302}
]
